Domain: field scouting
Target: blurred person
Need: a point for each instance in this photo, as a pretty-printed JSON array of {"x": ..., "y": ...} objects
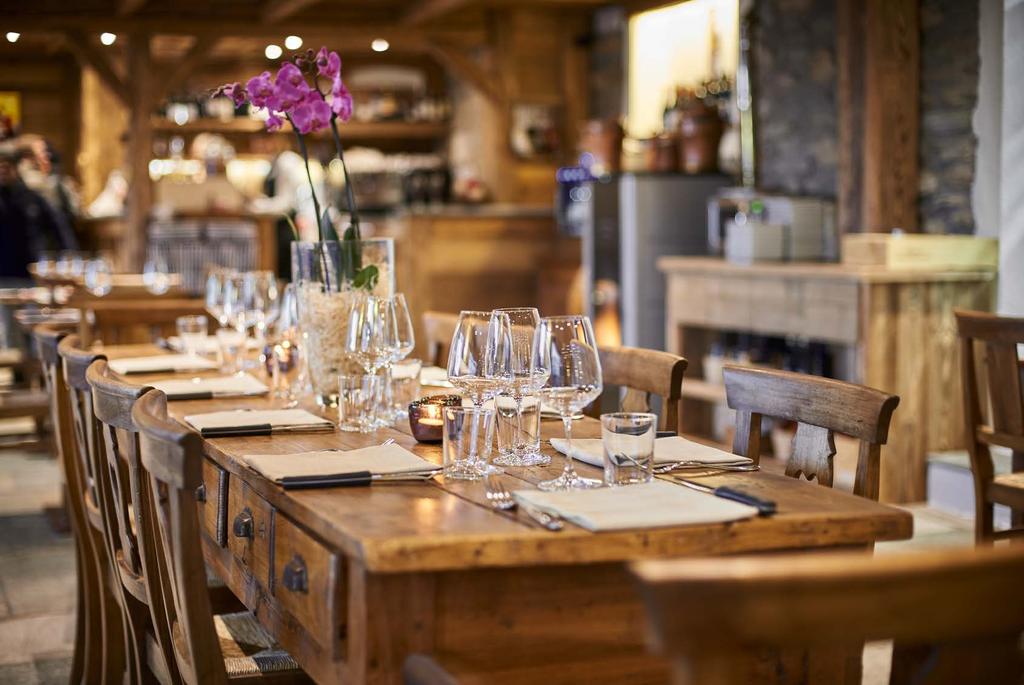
[{"x": 40, "y": 169}]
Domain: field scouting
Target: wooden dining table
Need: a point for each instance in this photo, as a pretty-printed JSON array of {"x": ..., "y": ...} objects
[{"x": 352, "y": 580}]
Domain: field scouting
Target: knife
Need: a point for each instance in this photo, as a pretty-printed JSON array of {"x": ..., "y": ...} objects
[
  {"x": 355, "y": 478},
  {"x": 263, "y": 429},
  {"x": 764, "y": 507}
]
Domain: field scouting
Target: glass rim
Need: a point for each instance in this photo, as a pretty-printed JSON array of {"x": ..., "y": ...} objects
[
  {"x": 482, "y": 411},
  {"x": 566, "y": 317},
  {"x": 191, "y": 317},
  {"x": 630, "y": 415},
  {"x": 516, "y": 309}
]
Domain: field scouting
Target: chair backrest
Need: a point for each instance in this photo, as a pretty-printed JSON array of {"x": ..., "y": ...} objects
[
  {"x": 991, "y": 376},
  {"x": 172, "y": 461},
  {"x": 644, "y": 373},
  {"x": 133, "y": 320},
  {"x": 821, "y": 407},
  {"x": 75, "y": 361},
  {"x": 125, "y": 499},
  {"x": 964, "y": 608},
  {"x": 439, "y": 328}
]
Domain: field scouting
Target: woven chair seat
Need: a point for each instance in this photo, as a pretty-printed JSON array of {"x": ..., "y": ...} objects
[{"x": 248, "y": 649}]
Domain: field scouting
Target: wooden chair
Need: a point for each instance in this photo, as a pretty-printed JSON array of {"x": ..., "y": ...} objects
[
  {"x": 956, "y": 616},
  {"x": 820, "y": 407},
  {"x": 24, "y": 399},
  {"x": 439, "y": 328},
  {"x": 127, "y": 321},
  {"x": 993, "y": 414},
  {"x": 103, "y": 608},
  {"x": 644, "y": 373},
  {"x": 206, "y": 648}
]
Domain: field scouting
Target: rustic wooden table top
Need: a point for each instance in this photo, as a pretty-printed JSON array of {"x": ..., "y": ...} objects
[{"x": 445, "y": 525}]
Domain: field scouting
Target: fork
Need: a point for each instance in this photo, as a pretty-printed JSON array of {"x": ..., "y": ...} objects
[
  {"x": 502, "y": 500},
  {"x": 668, "y": 468}
]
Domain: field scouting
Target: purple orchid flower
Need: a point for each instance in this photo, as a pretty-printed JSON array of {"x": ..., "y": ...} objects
[
  {"x": 328, "y": 64},
  {"x": 311, "y": 114},
  {"x": 341, "y": 99},
  {"x": 260, "y": 89}
]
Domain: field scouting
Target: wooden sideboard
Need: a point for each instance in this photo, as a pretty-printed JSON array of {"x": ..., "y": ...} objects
[{"x": 897, "y": 325}]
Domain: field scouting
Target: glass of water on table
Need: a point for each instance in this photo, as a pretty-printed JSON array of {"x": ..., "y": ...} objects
[
  {"x": 192, "y": 332},
  {"x": 627, "y": 439}
]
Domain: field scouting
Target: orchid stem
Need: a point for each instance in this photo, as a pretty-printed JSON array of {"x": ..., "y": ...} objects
[
  {"x": 316, "y": 203},
  {"x": 353, "y": 212}
]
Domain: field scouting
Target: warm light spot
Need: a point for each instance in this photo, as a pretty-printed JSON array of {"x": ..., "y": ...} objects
[
  {"x": 108, "y": 38},
  {"x": 273, "y": 51},
  {"x": 379, "y": 45},
  {"x": 292, "y": 43},
  {"x": 13, "y": 36}
]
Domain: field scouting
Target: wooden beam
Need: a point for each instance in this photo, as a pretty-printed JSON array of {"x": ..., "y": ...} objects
[
  {"x": 196, "y": 55},
  {"x": 90, "y": 56},
  {"x": 279, "y": 10},
  {"x": 140, "y": 149},
  {"x": 128, "y": 7},
  {"x": 425, "y": 10},
  {"x": 460, "y": 64}
]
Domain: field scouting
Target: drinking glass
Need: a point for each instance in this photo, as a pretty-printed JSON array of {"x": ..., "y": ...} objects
[
  {"x": 214, "y": 293},
  {"x": 232, "y": 349},
  {"x": 98, "y": 278},
  {"x": 371, "y": 340},
  {"x": 565, "y": 353},
  {"x": 403, "y": 342},
  {"x": 155, "y": 274},
  {"x": 518, "y": 427},
  {"x": 405, "y": 384},
  {"x": 628, "y": 442},
  {"x": 522, "y": 447},
  {"x": 478, "y": 360},
  {"x": 356, "y": 397},
  {"x": 192, "y": 333},
  {"x": 467, "y": 440},
  {"x": 262, "y": 301}
]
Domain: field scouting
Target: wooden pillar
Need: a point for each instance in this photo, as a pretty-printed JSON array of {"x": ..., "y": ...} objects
[
  {"x": 140, "y": 83},
  {"x": 878, "y": 51}
]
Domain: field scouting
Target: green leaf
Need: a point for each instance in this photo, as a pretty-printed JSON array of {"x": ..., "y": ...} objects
[
  {"x": 327, "y": 227},
  {"x": 366, "y": 278}
]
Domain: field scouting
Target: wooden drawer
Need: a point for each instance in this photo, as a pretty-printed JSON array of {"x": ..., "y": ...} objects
[
  {"x": 308, "y": 582},
  {"x": 249, "y": 530},
  {"x": 212, "y": 501}
]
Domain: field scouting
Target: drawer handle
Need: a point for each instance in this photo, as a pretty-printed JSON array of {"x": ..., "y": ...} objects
[
  {"x": 201, "y": 493},
  {"x": 242, "y": 527},
  {"x": 295, "y": 578}
]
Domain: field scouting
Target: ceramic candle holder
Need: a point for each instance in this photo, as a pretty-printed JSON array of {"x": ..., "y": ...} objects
[{"x": 426, "y": 416}]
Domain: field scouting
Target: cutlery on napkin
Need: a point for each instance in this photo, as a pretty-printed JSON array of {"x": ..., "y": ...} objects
[
  {"x": 240, "y": 422},
  {"x": 160, "y": 363},
  {"x": 241, "y": 385},
  {"x": 668, "y": 451},
  {"x": 765, "y": 507},
  {"x": 335, "y": 468}
]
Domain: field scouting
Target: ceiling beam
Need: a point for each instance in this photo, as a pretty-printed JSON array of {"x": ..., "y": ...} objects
[
  {"x": 462, "y": 66},
  {"x": 128, "y": 7},
  {"x": 183, "y": 67},
  {"x": 425, "y": 10},
  {"x": 275, "y": 11},
  {"x": 90, "y": 56}
]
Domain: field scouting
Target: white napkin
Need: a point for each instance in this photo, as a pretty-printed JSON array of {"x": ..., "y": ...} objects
[
  {"x": 278, "y": 418},
  {"x": 161, "y": 362},
  {"x": 209, "y": 345},
  {"x": 666, "y": 451},
  {"x": 378, "y": 459},
  {"x": 648, "y": 505},
  {"x": 435, "y": 376},
  {"x": 239, "y": 385}
]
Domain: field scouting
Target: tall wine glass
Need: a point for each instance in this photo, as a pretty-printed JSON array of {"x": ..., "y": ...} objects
[
  {"x": 478, "y": 360},
  {"x": 155, "y": 274},
  {"x": 525, "y": 381},
  {"x": 214, "y": 293},
  {"x": 98, "y": 278},
  {"x": 262, "y": 301},
  {"x": 405, "y": 338},
  {"x": 566, "y": 351},
  {"x": 231, "y": 336},
  {"x": 372, "y": 341}
]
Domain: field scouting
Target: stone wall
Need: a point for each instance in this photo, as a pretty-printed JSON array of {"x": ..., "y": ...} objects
[
  {"x": 793, "y": 74},
  {"x": 949, "y": 93}
]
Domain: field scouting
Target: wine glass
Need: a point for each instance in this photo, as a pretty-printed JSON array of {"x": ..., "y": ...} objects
[
  {"x": 214, "y": 293},
  {"x": 231, "y": 336},
  {"x": 371, "y": 340},
  {"x": 98, "y": 278},
  {"x": 565, "y": 350},
  {"x": 155, "y": 274},
  {"x": 262, "y": 300},
  {"x": 525, "y": 381},
  {"x": 478, "y": 359},
  {"x": 403, "y": 343}
]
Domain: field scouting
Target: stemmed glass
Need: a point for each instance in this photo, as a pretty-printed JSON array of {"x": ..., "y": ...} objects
[
  {"x": 524, "y": 379},
  {"x": 98, "y": 278},
  {"x": 155, "y": 274},
  {"x": 478, "y": 360},
  {"x": 404, "y": 341},
  {"x": 287, "y": 362},
  {"x": 565, "y": 350},
  {"x": 232, "y": 317},
  {"x": 216, "y": 282},
  {"x": 372, "y": 338},
  {"x": 262, "y": 300}
]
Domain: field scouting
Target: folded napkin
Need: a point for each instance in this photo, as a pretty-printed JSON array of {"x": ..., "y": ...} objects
[
  {"x": 380, "y": 459},
  {"x": 209, "y": 345},
  {"x": 287, "y": 419},
  {"x": 239, "y": 385},
  {"x": 435, "y": 376},
  {"x": 648, "y": 505},
  {"x": 666, "y": 451},
  {"x": 161, "y": 363}
]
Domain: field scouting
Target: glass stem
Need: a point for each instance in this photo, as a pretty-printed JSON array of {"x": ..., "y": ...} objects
[
  {"x": 519, "y": 443},
  {"x": 570, "y": 471}
]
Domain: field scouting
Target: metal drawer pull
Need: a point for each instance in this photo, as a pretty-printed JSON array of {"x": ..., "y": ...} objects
[
  {"x": 295, "y": 577},
  {"x": 242, "y": 527},
  {"x": 201, "y": 493}
]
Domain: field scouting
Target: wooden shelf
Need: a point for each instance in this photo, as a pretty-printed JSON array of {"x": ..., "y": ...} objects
[
  {"x": 352, "y": 130},
  {"x": 698, "y": 389}
]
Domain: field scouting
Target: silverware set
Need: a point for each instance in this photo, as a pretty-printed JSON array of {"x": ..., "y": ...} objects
[
  {"x": 501, "y": 499},
  {"x": 731, "y": 466}
]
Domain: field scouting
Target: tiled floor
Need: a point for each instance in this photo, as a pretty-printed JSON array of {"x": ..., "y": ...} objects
[{"x": 37, "y": 582}]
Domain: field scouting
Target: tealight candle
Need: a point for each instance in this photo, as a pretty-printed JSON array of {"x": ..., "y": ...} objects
[{"x": 426, "y": 418}]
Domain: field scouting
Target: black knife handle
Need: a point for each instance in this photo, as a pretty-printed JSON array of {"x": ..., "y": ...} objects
[
  {"x": 236, "y": 431},
  {"x": 341, "y": 480},
  {"x": 198, "y": 395},
  {"x": 764, "y": 507},
  {"x": 134, "y": 372}
]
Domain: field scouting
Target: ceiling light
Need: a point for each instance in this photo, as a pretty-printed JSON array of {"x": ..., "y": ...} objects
[
  {"x": 380, "y": 45},
  {"x": 13, "y": 36},
  {"x": 108, "y": 38},
  {"x": 293, "y": 42},
  {"x": 273, "y": 51}
]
